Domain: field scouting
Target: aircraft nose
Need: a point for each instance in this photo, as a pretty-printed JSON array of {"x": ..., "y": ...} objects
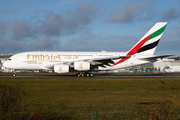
[{"x": 6, "y": 64}]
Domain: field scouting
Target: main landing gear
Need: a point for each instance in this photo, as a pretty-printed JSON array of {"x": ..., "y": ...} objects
[{"x": 84, "y": 75}]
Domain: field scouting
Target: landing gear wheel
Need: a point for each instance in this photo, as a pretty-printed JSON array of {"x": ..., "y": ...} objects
[
  {"x": 83, "y": 75},
  {"x": 91, "y": 75},
  {"x": 14, "y": 75},
  {"x": 78, "y": 74}
]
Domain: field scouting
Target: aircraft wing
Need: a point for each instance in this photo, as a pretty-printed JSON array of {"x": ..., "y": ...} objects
[
  {"x": 101, "y": 60},
  {"x": 105, "y": 60},
  {"x": 95, "y": 61},
  {"x": 155, "y": 58}
]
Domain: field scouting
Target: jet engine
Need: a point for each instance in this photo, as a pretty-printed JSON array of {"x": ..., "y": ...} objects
[
  {"x": 61, "y": 68},
  {"x": 81, "y": 66}
]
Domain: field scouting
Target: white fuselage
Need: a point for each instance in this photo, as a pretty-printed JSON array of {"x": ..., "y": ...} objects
[{"x": 46, "y": 60}]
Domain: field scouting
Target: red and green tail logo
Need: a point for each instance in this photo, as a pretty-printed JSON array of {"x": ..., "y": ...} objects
[{"x": 140, "y": 47}]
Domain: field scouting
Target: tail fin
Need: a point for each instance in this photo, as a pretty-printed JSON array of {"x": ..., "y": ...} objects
[{"x": 148, "y": 43}]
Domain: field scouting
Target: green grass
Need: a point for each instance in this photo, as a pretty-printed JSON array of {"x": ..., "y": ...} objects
[{"x": 94, "y": 93}]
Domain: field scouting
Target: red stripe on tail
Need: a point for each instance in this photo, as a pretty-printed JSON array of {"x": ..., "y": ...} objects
[{"x": 133, "y": 50}]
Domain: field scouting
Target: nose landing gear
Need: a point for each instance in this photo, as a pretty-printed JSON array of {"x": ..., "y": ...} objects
[{"x": 14, "y": 75}]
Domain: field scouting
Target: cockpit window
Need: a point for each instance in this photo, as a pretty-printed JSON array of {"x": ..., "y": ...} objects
[{"x": 9, "y": 59}]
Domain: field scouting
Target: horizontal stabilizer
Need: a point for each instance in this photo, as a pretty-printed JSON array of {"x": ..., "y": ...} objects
[{"x": 155, "y": 58}]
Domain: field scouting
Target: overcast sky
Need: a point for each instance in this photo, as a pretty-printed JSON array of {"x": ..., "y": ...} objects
[{"x": 86, "y": 25}]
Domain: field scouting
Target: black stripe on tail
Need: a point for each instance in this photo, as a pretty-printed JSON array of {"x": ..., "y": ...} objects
[{"x": 148, "y": 47}]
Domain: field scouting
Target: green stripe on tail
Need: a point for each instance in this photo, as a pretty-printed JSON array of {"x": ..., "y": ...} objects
[{"x": 157, "y": 33}]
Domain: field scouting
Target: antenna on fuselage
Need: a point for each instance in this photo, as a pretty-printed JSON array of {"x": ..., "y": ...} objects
[{"x": 102, "y": 50}]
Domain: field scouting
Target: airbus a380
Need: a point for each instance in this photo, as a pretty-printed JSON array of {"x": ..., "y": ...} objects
[{"x": 86, "y": 62}]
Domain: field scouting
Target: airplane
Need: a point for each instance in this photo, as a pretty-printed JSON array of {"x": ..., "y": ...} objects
[{"x": 87, "y": 62}]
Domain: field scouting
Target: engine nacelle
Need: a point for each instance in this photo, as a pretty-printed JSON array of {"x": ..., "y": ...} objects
[
  {"x": 81, "y": 66},
  {"x": 61, "y": 68}
]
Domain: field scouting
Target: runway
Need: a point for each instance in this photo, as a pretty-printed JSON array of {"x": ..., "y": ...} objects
[{"x": 96, "y": 75}]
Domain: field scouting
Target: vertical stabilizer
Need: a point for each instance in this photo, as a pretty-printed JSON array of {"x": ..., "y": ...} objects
[{"x": 148, "y": 43}]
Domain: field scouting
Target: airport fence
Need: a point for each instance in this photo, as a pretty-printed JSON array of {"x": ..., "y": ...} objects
[
  {"x": 89, "y": 115},
  {"x": 110, "y": 114}
]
